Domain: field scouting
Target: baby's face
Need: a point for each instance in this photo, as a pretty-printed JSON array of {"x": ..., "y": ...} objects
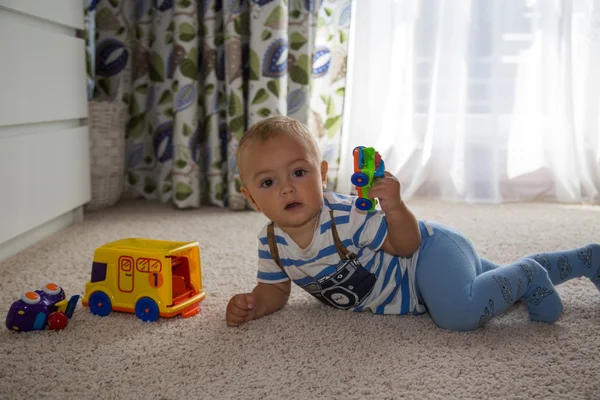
[{"x": 284, "y": 180}]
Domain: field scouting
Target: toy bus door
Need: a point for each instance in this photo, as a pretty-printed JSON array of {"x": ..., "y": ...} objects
[{"x": 126, "y": 274}]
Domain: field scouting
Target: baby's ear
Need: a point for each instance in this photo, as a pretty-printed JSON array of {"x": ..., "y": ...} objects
[
  {"x": 324, "y": 169},
  {"x": 247, "y": 195}
]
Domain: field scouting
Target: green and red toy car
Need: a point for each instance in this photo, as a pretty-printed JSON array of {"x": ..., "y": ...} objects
[{"x": 368, "y": 165}]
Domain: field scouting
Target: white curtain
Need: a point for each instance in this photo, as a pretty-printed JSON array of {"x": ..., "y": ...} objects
[{"x": 478, "y": 101}]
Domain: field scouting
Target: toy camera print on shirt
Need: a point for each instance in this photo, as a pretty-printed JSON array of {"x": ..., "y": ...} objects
[{"x": 346, "y": 288}]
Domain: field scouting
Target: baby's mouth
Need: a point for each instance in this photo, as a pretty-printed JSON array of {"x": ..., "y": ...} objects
[{"x": 292, "y": 205}]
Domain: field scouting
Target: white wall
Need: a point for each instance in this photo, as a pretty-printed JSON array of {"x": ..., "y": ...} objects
[{"x": 44, "y": 148}]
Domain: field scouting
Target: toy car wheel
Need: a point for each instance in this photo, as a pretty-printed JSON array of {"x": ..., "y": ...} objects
[
  {"x": 57, "y": 320},
  {"x": 146, "y": 309},
  {"x": 100, "y": 304},
  {"x": 359, "y": 179},
  {"x": 364, "y": 204}
]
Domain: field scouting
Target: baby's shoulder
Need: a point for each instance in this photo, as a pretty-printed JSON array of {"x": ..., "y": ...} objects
[
  {"x": 262, "y": 234},
  {"x": 338, "y": 202}
]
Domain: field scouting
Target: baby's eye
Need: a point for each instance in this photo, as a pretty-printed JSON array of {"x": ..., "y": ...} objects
[
  {"x": 267, "y": 183},
  {"x": 299, "y": 172}
]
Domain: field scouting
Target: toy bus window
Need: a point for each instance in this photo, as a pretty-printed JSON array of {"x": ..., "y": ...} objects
[
  {"x": 98, "y": 272},
  {"x": 148, "y": 265},
  {"x": 125, "y": 264}
]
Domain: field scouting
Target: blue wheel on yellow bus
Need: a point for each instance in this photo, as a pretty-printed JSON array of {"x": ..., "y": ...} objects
[
  {"x": 146, "y": 309},
  {"x": 100, "y": 304}
]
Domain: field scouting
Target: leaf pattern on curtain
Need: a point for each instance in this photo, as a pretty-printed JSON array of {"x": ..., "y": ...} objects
[{"x": 196, "y": 75}]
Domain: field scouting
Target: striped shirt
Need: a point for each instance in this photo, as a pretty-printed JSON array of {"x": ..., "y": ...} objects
[{"x": 362, "y": 233}]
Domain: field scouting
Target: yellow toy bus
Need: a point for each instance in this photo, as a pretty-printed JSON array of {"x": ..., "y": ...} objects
[{"x": 151, "y": 278}]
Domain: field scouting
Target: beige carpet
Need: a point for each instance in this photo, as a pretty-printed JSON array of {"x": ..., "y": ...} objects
[{"x": 306, "y": 351}]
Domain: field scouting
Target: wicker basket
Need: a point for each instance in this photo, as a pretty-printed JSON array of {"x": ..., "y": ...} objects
[{"x": 107, "y": 121}]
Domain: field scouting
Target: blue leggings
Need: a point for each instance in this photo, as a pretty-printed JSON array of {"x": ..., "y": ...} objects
[{"x": 463, "y": 291}]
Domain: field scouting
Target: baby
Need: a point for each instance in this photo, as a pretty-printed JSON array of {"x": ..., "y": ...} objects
[{"x": 385, "y": 261}]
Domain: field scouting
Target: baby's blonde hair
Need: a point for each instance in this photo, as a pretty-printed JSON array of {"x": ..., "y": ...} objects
[{"x": 277, "y": 125}]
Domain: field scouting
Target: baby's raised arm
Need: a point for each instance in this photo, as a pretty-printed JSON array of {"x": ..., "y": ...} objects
[
  {"x": 266, "y": 298},
  {"x": 404, "y": 236}
]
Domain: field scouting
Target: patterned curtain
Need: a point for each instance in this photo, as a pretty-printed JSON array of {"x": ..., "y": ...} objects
[{"x": 196, "y": 74}]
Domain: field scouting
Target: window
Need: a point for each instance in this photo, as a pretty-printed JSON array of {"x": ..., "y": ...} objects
[
  {"x": 98, "y": 272},
  {"x": 148, "y": 265}
]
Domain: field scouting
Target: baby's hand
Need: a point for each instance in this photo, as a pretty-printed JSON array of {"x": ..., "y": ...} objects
[
  {"x": 240, "y": 309},
  {"x": 387, "y": 190}
]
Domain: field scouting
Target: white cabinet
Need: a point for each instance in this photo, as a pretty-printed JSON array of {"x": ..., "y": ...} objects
[{"x": 44, "y": 147}]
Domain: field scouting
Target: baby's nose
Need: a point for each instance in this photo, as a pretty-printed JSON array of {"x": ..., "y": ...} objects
[{"x": 287, "y": 188}]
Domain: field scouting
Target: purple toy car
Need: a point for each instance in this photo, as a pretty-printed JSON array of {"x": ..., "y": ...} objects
[{"x": 36, "y": 310}]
